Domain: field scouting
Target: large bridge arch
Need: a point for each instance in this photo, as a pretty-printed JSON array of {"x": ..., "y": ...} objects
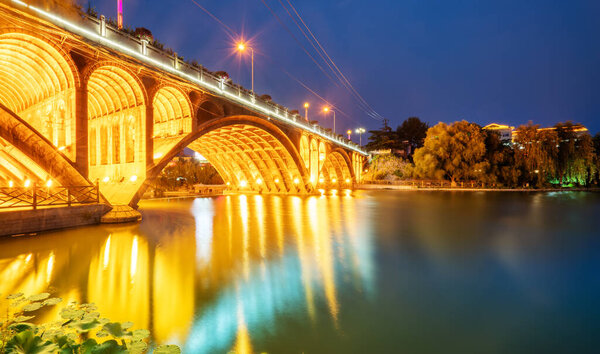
[
  {"x": 116, "y": 130},
  {"x": 38, "y": 82},
  {"x": 337, "y": 169},
  {"x": 249, "y": 153},
  {"x": 23, "y": 148}
]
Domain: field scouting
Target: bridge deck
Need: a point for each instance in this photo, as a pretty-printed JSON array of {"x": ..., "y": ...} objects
[{"x": 100, "y": 33}]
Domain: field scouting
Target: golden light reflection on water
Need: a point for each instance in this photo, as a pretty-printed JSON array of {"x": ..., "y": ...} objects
[{"x": 207, "y": 274}]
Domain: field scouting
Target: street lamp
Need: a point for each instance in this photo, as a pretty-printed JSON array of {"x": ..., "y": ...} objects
[
  {"x": 326, "y": 110},
  {"x": 349, "y": 132},
  {"x": 359, "y": 131},
  {"x": 306, "y": 105},
  {"x": 242, "y": 47}
]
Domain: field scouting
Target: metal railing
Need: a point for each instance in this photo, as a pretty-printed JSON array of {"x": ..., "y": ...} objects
[
  {"x": 34, "y": 197},
  {"x": 101, "y": 32},
  {"x": 430, "y": 184}
]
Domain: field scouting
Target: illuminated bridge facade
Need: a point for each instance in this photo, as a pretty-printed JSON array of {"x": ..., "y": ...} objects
[{"x": 81, "y": 102}]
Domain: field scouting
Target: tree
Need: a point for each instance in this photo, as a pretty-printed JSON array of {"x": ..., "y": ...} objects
[
  {"x": 536, "y": 153},
  {"x": 575, "y": 162},
  {"x": 455, "y": 152},
  {"x": 388, "y": 167},
  {"x": 412, "y": 131},
  {"x": 382, "y": 139},
  {"x": 501, "y": 159}
]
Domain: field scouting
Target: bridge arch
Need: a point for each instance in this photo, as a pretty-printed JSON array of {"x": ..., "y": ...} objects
[
  {"x": 26, "y": 154},
  {"x": 38, "y": 80},
  {"x": 305, "y": 150},
  {"x": 172, "y": 112},
  {"x": 249, "y": 153},
  {"x": 337, "y": 169},
  {"x": 116, "y": 130}
]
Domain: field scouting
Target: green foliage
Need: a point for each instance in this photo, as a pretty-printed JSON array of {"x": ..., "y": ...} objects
[
  {"x": 72, "y": 334},
  {"x": 388, "y": 167},
  {"x": 184, "y": 173},
  {"x": 412, "y": 132},
  {"x": 382, "y": 139},
  {"x": 455, "y": 152}
]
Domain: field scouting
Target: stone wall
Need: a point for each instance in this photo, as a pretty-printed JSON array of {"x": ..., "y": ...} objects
[{"x": 28, "y": 221}]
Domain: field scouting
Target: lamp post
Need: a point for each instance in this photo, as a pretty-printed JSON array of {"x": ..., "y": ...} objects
[
  {"x": 349, "y": 132},
  {"x": 359, "y": 131},
  {"x": 306, "y": 105},
  {"x": 242, "y": 47},
  {"x": 326, "y": 110}
]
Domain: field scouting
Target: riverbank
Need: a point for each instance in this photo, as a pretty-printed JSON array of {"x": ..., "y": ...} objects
[{"x": 467, "y": 189}]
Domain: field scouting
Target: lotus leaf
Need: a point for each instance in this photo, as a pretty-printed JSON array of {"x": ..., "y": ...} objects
[
  {"x": 167, "y": 349},
  {"x": 32, "y": 307},
  {"x": 51, "y": 301},
  {"x": 38, "y": 297}
]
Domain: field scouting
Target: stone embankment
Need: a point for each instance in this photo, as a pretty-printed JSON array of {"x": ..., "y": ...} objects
[{"x": 16, "y": 222}]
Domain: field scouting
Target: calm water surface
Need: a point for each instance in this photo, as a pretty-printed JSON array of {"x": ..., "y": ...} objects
[{"x": 367, "y": 272}]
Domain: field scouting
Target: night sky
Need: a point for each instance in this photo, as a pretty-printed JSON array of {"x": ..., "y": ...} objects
[{"x": 484, "y": 61}]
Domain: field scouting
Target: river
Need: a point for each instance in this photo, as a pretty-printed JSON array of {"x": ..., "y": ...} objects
[{"x": 354, "y": 272}]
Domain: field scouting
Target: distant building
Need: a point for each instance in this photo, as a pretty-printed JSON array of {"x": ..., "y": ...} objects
[
  {"x": 508, "y": 133},
  {"x": 504, "y": 131},
  {"x": 578, "y": 129}
]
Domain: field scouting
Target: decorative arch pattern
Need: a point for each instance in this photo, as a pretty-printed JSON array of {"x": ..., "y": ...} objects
[
  {"x": 172, "y": 119},
  {"x": 337, "y": 170},
  {"x": 172, "y": 113},
  {"x": 116, "y": 130},
  {"x": 248, "y": 152},
  {"x": 38, "y": 82}
]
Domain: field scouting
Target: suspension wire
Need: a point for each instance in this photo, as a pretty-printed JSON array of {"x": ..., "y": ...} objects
[
  {"x": 232, "y": 34},
  {"x": 311, "y": 43},
  {"x": 337, "y": 71},
  {"x": 364, "y": 108},
  {"x": 317, "y": 95},
  {"x": 297, "y": 41}
]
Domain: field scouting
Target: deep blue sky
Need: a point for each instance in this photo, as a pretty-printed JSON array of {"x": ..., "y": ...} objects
[{"x": 505, "y": 61}]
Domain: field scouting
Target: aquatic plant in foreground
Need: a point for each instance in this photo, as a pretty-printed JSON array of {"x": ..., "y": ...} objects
[{"x": 80, "y": 330}]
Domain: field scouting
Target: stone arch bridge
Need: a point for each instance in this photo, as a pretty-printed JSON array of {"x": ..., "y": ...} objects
[{"x": 82, "y": 102}]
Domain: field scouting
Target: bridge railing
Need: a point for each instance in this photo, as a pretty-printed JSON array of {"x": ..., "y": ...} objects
[
  {"x": 34, "y": 197},
  {"x": 102, "y": 32}
]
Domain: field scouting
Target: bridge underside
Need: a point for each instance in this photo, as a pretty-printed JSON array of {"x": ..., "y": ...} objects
[{"x": 76, "y": 116}]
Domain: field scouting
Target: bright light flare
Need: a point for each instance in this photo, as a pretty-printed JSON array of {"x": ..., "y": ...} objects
[
  {"x": 133, "y": 178},
  {"x": 27, "y": 183},
  {"x": 243, "y": 184},
  {"x": 49, "y": 183},
  {"x": 241, "y": 46},
  {"x": 325, "y": 109}
]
